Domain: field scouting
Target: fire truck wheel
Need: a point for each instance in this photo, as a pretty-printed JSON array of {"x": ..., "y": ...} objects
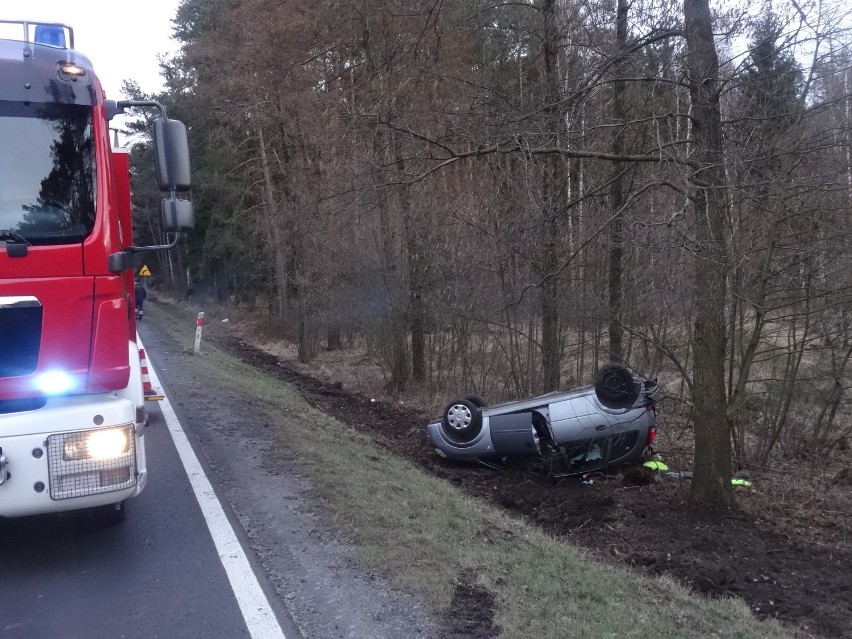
[{"x": 109, "y": 515}]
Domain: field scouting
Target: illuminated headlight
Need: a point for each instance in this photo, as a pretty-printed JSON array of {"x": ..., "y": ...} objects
[
  {"x": 91, "y": 462},
  {"x": 97, "y": 445},
  {"x": 54, "y": 382}
]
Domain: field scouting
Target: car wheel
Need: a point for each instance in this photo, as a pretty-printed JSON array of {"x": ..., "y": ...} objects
[
  {"x": 476, "y": 399},
  {"x": 615, "y": 387},
  {"x": 462, "y": 419},
  {"x": 109, "y": 515}
]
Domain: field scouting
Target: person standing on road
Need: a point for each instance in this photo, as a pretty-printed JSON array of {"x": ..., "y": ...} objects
[{"x": 140, "y": 294}]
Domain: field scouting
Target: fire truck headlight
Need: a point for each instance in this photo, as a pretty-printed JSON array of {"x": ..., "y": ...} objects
[
  {"x": 54, "y": 383},
  {"x": 97, "y": 445}
]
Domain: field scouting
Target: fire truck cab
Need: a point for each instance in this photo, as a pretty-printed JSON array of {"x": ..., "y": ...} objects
[{"x": 72, "y": 408}]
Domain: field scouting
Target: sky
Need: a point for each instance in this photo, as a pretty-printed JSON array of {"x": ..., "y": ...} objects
[{"x": 121, "y": 39}]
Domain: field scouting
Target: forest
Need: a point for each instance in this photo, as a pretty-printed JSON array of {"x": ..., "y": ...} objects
[{"x": 502, "y": 196}]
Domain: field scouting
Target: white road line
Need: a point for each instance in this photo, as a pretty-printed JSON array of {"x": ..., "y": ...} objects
[{"x": 253, "y": 603}]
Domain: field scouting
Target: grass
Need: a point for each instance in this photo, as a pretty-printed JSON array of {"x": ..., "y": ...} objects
[{"x": 427, "y": 537}]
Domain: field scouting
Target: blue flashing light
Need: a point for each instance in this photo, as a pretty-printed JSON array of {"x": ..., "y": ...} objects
[
  {"x": 54, "y": 383},
  {"x": 50, "y": 35}
]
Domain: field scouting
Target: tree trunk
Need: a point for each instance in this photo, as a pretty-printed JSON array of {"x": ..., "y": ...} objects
[
  {"x": 333, "y": 341},
  {"x": 616, "y": 192},
  {"x": 396, "y": 324},
  {"x": 553, "y": 196},
  {"x": 414, "y": 246},
  {"x": 712, "y": 478},
  {"x": 275, "y": 241}
]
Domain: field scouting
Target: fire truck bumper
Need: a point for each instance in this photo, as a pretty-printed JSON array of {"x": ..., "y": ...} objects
[{"x": 73, "y": 453}]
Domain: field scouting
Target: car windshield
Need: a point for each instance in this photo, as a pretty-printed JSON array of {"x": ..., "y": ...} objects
[{"x": 47, "y": 172}]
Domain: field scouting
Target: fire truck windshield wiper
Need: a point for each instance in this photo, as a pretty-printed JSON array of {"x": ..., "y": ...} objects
[{"x": 12, "y": 235}]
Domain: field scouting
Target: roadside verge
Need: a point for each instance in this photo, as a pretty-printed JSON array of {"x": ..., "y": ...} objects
[{"x": 486, "y": 573}]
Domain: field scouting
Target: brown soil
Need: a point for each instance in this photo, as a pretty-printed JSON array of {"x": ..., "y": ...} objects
[{"x": 785, "y": 549}]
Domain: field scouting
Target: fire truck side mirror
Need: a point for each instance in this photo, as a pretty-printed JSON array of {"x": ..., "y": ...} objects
[
  {"x": 171, "y": 153},
  {"x": 177, "y": 215}
]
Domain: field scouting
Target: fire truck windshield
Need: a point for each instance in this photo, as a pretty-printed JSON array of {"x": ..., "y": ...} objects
[{"x": 47, "y": 172}]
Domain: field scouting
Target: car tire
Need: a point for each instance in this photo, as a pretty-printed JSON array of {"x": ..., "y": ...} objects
[
  {"x": 476, "y": 399},
  {"x": 615, "y": 386},
  {"x": 109, "y": 515},
  {"x": 462, "y": 419}
]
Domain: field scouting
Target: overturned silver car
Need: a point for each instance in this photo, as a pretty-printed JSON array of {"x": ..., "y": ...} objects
[{"x": 610, "y": 423}]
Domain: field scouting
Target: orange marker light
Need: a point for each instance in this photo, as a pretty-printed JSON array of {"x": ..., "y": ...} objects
[{"x": 73, "y": 70}]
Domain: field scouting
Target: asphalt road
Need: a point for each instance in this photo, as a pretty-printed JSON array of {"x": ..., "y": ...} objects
[{"x": 157, "y": 575}]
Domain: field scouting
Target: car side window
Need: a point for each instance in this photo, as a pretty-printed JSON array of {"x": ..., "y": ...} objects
[
  {"x": 587, "y": 454},
  {"x": 622, "y": 444}
]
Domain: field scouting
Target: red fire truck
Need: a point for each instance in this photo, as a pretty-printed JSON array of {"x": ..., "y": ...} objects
[{"x": 71, "y": 398}]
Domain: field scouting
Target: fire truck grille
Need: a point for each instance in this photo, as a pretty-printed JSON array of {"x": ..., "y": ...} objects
[{"x": 91, "y": 462}]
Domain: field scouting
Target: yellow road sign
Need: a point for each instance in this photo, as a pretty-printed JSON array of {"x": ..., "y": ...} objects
[{"x": 145, "y": 271}]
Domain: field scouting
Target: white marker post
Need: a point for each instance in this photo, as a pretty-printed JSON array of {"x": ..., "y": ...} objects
[{"x": 199, "y": 323}]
